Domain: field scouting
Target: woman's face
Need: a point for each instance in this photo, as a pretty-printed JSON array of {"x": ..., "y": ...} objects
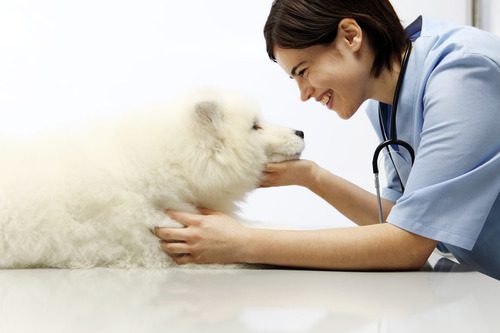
[{"x": 337, "y": 75}]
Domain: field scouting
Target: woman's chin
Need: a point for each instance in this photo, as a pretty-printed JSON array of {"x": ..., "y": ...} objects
[{"x": 344, "y": 115}]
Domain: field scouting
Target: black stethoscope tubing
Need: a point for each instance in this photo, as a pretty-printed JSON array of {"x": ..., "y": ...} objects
[{"x": 392, "y": 139}]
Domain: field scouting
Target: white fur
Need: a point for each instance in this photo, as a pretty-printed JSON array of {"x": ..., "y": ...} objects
[{"x": 91, "y": 198}]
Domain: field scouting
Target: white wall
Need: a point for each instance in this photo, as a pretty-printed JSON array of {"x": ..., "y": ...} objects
[
  {"x": 62, "y": 61},
  {"x": 488, "y": 19},
  {"x": 457, "y": 11}
]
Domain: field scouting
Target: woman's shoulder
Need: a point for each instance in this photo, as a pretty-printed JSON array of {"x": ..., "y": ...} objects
[{"x": 442, "y": 38}]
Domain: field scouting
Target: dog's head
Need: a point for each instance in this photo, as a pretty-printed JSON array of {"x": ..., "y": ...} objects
[
  {"x": 234, "y": 142},
  {"x": 232, "y": 124}
]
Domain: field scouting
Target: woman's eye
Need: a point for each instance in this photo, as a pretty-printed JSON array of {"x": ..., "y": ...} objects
[{"x": 302, "y": 73}]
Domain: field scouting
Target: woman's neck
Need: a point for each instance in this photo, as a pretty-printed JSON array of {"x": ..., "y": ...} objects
[{"x": 385, "y": 84}]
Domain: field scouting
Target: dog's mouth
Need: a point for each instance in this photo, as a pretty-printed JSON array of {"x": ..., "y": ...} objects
[{"x": 277, "y": 157}]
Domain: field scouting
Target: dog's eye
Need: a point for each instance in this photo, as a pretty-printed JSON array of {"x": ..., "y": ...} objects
[{"x": 256, "y": 126}]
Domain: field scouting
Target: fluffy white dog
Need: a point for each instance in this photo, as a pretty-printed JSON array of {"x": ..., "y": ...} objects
[{"x": 91, "y": 198}]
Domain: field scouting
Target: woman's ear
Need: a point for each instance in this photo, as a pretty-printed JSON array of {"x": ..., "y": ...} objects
[{"x": 350, "y": 33}]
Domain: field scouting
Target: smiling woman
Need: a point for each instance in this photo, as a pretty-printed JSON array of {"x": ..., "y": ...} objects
[{"x": 336, "y": 49}]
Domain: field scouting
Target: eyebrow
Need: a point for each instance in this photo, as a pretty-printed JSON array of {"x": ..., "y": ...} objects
[{"x": 294, "y": 68}]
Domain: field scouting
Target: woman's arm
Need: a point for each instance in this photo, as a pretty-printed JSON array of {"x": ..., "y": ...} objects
[
  {"x": 357, "y": 204},
  {"x": 374, "y": 247},
  {"x": 212, "y": 237}
]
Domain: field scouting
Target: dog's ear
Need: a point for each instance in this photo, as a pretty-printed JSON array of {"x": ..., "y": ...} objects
[{"x": 209, "y": 114}]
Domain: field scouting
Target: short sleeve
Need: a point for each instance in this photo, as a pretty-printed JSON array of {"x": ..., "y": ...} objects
[{"x": 455, "y": 179}]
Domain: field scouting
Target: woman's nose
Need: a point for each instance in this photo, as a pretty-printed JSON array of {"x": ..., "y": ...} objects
[{"x": 306, "y": 91}]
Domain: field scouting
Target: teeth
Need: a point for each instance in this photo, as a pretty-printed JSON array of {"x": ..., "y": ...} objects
[{"x": 326, "y": 98}]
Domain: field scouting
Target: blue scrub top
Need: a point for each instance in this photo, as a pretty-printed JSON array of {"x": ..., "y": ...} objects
[{"x": 449, "y": 111}]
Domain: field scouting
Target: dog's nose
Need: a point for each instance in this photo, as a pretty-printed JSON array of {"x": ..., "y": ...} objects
[{"x": 299, "y": 133}]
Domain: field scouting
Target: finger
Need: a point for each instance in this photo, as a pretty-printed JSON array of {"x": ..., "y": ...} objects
[
  {"x": 207, "y": 211},
  {"x": 171, "y": 234},
  {"x": 174, "y": 248},
  {"x": 183, "y": 218},
  {"x": 268, "y": 180},
  {"x": 265, "y": 184},
  {"x": 272, "y": 167},
  {"x": 183, "y": 259}
]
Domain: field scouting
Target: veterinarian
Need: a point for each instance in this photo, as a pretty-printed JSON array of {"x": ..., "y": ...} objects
[{"x": 443, "y": 81}]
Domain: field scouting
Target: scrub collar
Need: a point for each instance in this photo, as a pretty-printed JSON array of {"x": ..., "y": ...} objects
[{"x": 413, "y": 30}]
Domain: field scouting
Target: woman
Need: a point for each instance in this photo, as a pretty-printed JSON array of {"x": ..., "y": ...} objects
[{"x": 342, "y": 53}]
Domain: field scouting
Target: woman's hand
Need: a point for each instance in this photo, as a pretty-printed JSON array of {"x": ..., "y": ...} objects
[
  {"x": 209, "y": 237},
  {"x": 295, "y": 172}
]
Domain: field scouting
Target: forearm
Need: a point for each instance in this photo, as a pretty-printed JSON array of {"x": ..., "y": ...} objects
[
  {"x": 376, "y": 247},
  {"x": 357, "y": 204}
]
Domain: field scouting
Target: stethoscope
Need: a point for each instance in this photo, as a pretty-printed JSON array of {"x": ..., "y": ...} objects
[{"x": 392, "y": 140}]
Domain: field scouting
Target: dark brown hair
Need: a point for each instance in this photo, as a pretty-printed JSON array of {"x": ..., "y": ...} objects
[{"x": 298, "y": 24}]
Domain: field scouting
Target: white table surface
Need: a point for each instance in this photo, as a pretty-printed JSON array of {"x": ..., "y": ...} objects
[{"x": 248, "y": 300}]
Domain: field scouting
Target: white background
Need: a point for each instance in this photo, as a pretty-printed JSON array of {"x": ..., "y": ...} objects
[{"x": 63, "y": 61}]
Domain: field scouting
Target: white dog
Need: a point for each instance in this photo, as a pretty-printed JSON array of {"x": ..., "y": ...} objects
[{"x": 91, "y": 198}]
